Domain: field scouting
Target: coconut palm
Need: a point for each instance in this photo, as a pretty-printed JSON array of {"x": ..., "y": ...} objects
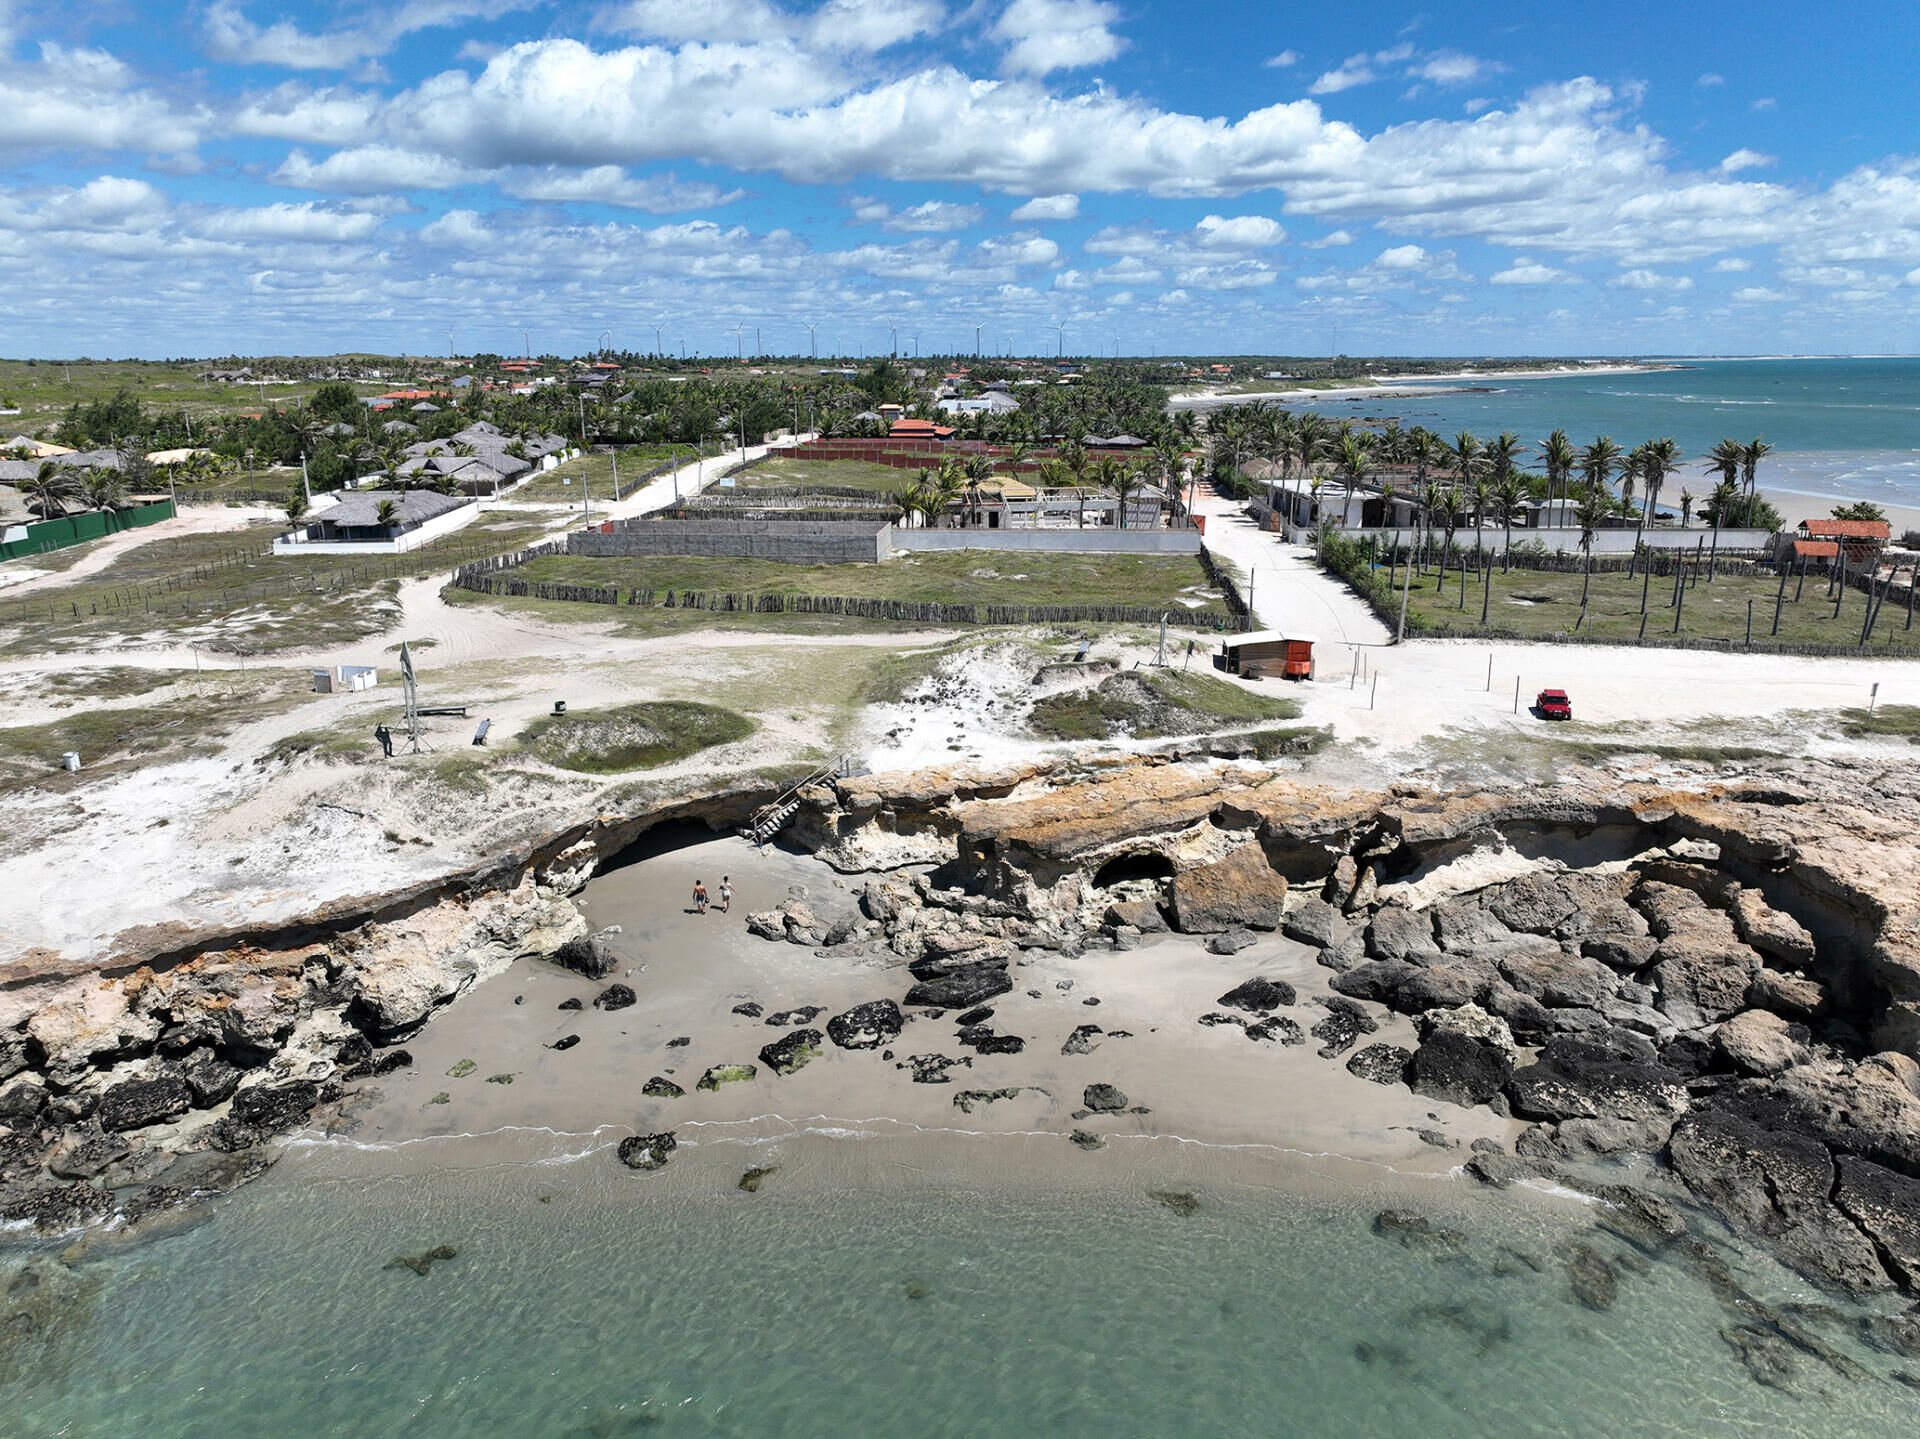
[
  {"x": 1751, "y": 454},
  {"x": 1501, "y": 452},
  {"x": 1558, "y": 456},
  {"x": 296, "y": 508},
  {"x": 104, "y": 489},
  {"x": 1509, "y": 494},
  {"x": 385, "y": 514},
  {"x": 51, "y": 487},
  {"x": 1125, "y": 480},
  {"x": 1720, "y": 505},
  {"x": 1725, "y": 460},
  {"x": 1596, "y": 504},
  {"x": 1354, "y": 458},
  {"x": 1598, "y": 462}
]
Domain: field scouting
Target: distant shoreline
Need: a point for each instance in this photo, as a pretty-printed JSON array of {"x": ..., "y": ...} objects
[{"x": 1415, "y": 386}]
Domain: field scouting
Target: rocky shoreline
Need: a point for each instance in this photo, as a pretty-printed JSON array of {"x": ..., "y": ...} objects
[{"x": 1700, "y": 1001}]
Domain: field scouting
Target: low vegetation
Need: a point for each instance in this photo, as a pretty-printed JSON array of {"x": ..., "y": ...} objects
[
  {"x": 1894, "y": 721},
  {"x": 831, "y": 474},
  {"x": 112, "y": 740},
  {"x": 1148, "y": 704},
  {"x": 591, "y": 476},
  {"x": 638, "y": 736}
]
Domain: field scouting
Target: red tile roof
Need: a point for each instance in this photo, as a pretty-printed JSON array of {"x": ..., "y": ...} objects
[
  {"x": 923, "y": 429},
  {"x": 1815, "y": 549},
  {"x": 1848, "y": 529}
]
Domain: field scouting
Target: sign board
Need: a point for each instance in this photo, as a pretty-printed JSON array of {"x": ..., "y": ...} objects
[{"x": 727, "y": 484}]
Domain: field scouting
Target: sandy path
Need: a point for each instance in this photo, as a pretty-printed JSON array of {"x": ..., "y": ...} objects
[
  {"x": 1289, "y": 592},
  {"x": 17, "y": 579}
]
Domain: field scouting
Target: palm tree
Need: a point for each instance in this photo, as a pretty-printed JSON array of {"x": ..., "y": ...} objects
[
  {"x": 1720, "y": 505},
  {"x": 1558, "y": 456},
  {"x": 385, "y": 513},
  {"x": 1309, "y": 440},
  {"x": 1598, "y": 461},
  {"x": 1501, "y": 452},
  {"x": 1725, "y": 460},
  {"x": 1686, "y": 507},
  {"x": 1450, "y": 507},
  {"x": 104, "y": 489},
  {"x": 50, "y": 488},
  {"x": 1125, "y": 481},
  {"x": 1509, "y": 494},
  {"x": 1353, "y": 460},
  {"x": 1750, "y": 457},
  {"x": 1595, "y": 505},
  {"x": 296, "y": 508}
]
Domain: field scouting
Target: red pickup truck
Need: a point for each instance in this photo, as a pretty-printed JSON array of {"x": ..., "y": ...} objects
[{"x": 1553, "y": 705}]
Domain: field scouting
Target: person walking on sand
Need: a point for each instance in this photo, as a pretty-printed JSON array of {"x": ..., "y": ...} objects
[
  {"x": 385, "y": 736},
  {"x": 726, "y": 893},
  {"x": 700, "y": 896}
]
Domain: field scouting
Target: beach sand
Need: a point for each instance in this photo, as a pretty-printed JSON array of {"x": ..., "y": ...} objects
[{"x": 1213, "y": 1093}]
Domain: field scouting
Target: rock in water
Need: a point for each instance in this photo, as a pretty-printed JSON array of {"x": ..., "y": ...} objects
[
  {"x": 648, "y": 1151},
  {"x": 1257, "y": 996},
  {"x": 1086, "y": 1139},
  {"x": 720, "y": 1074},
  {"x": 616, "y": 996},
  {"x": 84, "y": 1153},
  {"x": 136, "y": 1103},
  {"x": 1414, "y": 1230},
  {"x": 1381, "y": 1064},
  {"x": 1179, "y": 1201},
  {"x": 962, "y": 988},
  {"x": 866, "y": 1026},
  {"x": 1081, "y": 1040},
  {"x": 660, "y": 1087},
  {"x": 966, "y": 1099},
  {"x": 1242, "y": 891},
  {"x": 422, "y": 1264},
  {"x": 1104, "y": 1099},
  {"x": 791, "y": 1051},
  {"x": 753, "y": 1178},
  {"x": 1593, "y": 1280}
]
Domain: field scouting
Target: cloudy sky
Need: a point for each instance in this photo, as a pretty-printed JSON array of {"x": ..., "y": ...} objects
[{"x": 1648, "y": 176}]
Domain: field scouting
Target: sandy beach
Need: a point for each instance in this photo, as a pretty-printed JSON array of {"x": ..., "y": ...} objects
[{"x": 1406, "y": 387}]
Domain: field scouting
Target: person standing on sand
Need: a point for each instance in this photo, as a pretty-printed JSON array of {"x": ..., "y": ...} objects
[
  {"x": 700, "y": 896},
  {"x": 726, "y": 893},
  {"x": 385, "y": 736}
]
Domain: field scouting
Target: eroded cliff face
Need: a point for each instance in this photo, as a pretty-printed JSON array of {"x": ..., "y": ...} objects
[{"x": 1635, "y": 967}]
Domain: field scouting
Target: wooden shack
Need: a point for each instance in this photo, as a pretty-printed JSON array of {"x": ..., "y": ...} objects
[{"x": 1270, "y": 654}]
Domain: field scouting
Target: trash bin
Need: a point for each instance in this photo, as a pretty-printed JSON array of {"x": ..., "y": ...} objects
[
  {"x": 559, "y": 707},
  {"x": 70, "y": 760}
]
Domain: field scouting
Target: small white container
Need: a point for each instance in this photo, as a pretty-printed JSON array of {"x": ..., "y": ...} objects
[{"x": 70, "y": 760}]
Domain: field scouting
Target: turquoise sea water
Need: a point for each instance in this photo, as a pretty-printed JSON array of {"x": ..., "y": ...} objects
[
  {"x": 590, "y": 1300},
  {"x": 1843, "y": 427}
]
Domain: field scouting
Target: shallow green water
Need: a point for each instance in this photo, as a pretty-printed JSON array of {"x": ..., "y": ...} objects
[{"x": 670, "y": 1304}]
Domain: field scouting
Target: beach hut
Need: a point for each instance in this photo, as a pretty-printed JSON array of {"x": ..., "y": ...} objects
[{"x": 1270, "y": 652}]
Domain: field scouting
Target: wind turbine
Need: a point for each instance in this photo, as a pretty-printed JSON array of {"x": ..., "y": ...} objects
[
  {"x": 606, "y": 341},
  {"x": 740, "y": 336},
  {"x": 813, "y": 344},
  {"x": 896, "y": 341},
  {"x": 1061, "y": 353}
]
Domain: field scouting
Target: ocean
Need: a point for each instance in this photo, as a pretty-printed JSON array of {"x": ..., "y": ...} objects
[{"x": 1840, "y": 428}]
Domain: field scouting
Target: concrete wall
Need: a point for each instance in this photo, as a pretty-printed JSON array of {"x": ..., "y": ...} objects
[
  {"x": 1079, "y": 542},
  {"x": 297, "y": 542},
  {"x": 1605, "y": 542},
  {"x": 792, "y": 542}
]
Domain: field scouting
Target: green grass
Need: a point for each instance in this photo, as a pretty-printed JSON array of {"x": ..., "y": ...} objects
[
  {"x": 638, "y": 736},
  {"x": 111, "y": 740},
  {"x": 1899, "y": 721},
  {"x": 45, "y": 390},
  {"x": 1147, "y": 704},
  {"x": 225, "y": 592},
  {"x": 1293, "y": 739},
  {"x": 948, "y": 577},
  {"x": 108, "y": 682},
  {"x": 840, "y": 474},
  {"x": 1539, "y": 604},
  {"x": 593, "y": 476}
]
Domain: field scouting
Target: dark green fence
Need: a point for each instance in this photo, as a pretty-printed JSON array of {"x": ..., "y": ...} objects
[{"x": 69, "y": 530}]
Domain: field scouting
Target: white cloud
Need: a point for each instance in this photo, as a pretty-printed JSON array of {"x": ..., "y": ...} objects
[
  {"x": 1049, "y": 207},
  {"x": 1402, "y": 257},
  {"x": 1757, "y": 295},
  {"x": 1072, "y": 280},
  {"x": 1650, "y": 280},
  {"x": 1330, "y": 242},
  {"x": 839, "y": 25},
  {"x": 1710, "y": 80},
  {"x": 611, "y": 185},
  {"x": 931, "y": 217},
  {"x": 1353, "y": 71},
  {"x": 1047, "y": 35},
  {"x": 1285, "y": 60},
  {"x": 372, "y": 169},
  {"x": 296, "y": 111},
  {"x": 1249, "y": 232},
  {"x": 1744, "y": 159},
  {"x": 1450, "y": 67},
  {"x": 233, "y": 38},
  {"x": 1765, "y": 102},
  {"x": 1913, "y": 277},
  {"x": 305, "y": 222},
  {"x": 80, "y": 99},
  {"x": 1528, "y": 271},
  {"x": 1732, "y": 265}
]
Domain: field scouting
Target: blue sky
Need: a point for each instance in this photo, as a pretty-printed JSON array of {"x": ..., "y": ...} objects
[{"x": 1480, "y": 178}]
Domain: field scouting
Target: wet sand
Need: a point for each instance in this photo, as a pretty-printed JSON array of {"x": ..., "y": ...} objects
[{"x": 1220, "y": 1103}]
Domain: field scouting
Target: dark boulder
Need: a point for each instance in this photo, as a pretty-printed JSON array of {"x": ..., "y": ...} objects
[
  {"x": 660, "y": 1087},
  {"x": 85, "y": 1152},
  {"x": 573, "y": 1003},
  {"x": 806, "y": 1014},
  {"x": 976, "y": 1016},
  {"x": 936, "y": 964},
  {"x": 1558, "y": 979},
  {"x": 1338, "y": 1033},
  {"x": 1462, "y": 1070},
  {"x": 791, "y": 1051},
  {"x": 1414, "y": 1230},
  {"x": 566, "y": 1041},
  {"x": 1216, "y": 1019},
  {"x": 22, "y": 1101},
  {"x": 1381, "y": 1064},
  {"x": 1766, "y": 1179},
  {"x": 1378, "y": 980},
  {"x": 1594, "y": 1282},
  {"x": 932, "y": 1068},
  {"x": 1581, "y": 1079},
  {"x": 1317, "y": 923},
  {"x": 587, "y": 955},
  {"x": 271, "y": 1108},
  {"x": 1103, "y": 1099},
  {"x": 136, "y": 1103},
  {"x": 981, "y": 1039},
  {"x": 53, "y": 1210},
  {"x": 1258, "y": 995},
  {"x": 1242, "y": 891},
  {"x": 1444, "y": 987},
  {"x": 1277, "y": 1029},
  {"x": 1401, "y": 933},
  {"x": 1886, "y": 1207},
  {"x": 748, "y": 1009},
  {"x": 1232, "y": 941},
  {"x": 866, "y": 1026},
  {"x": 616, "y": 996},
  {"x": 1081, "y": 1040},
  {"x": 963, "y": 988},
  {"x": 211, "y": 1080},
  {"x": 1461, "y": 926},
  {"x": 648, "y": 1151},
  {"x": 1144, "y": 915}
]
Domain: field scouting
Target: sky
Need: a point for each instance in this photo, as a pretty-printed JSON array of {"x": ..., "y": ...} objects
[{"x": 1034, "y": 176}]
